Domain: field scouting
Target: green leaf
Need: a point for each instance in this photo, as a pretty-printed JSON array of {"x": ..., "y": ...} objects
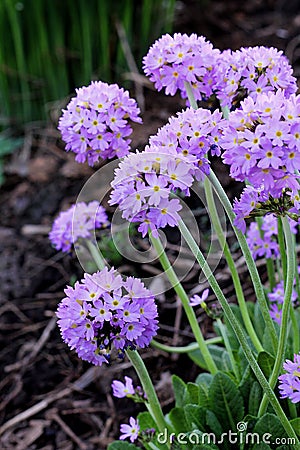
[
  {"x": 296, "y": 425},
  {"x": 179, "y": 388},
  {"x": 258, "y": 322},
  {"x": 266, "y": 363},
  {"x": 213, "y": 423},
  {"x": 217, "y": 354},
  {"x": 195, "y": 416},
  {"x": 192, "y": 393},
  {"x": 178, "y": 420},
  {"x": 226, "y": 401},
  {"x": 267, "y": 341},
  {"x": 255, "y": 397},
  {"x": 269, "y": 423},
  {"x": 122, "y": 445},
  {"x": 204, "y": 381}
]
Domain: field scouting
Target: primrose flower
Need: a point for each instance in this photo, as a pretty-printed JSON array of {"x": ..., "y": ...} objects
[
  {"x": 122, "y": 390},
  {"x": 289, "y": 383},
  {"x": 196, "y": 300},
  {"x": 95, "y": 123},
  {"x": 79, "y": 221},
  {"x": 143, "y": 185},
  {"x": 101, "y": 315},
  {"x": 252, "y": 71},
  {"x": 172, "y": 60},
  {"x": 130, "y": 431},
  {"x": 276, "y": 298},
  {"x": 262, "y": 147}
]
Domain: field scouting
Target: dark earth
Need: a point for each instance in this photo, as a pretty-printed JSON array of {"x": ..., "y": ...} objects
[{"x": 51, "y": 400}]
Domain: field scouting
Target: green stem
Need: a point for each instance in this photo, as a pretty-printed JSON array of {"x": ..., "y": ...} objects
[
  {"x": 239, "y": 332},
  {"x": 234, "y": 273},
  {"x": 269, "y": 261},
  {"x": 258, "y": 288},
  {"x": 282, "y": 248},
  {"x": 290, "y": 268},
  {"x": 187, "y": 348},
  {"x": 177, "y": 286},
  {"x": 228, "y": 348},
  {"x": 97, "y": 257},
  {"x": 190, "y": 95},
  {"x": 153, "y": 404}
]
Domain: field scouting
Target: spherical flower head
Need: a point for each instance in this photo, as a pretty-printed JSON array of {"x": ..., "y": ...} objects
[
  {"x": 79, "y": 221},
  {"x": 96, "y": 122},
  {"x": 130, "y": 431},
  {"x": 289, "y": 382},
  {"x": 100, "y": 316},
  {"x": 252, "y": 71},
  {"x": 144, "y": 184},
  {"x": 174, "y": 60},
  {"x": 262, "y": 145}
]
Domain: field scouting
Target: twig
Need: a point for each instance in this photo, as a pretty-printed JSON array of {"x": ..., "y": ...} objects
[
  {"x": 68, "y": 430},
  {"x": 131, "y": 64}
]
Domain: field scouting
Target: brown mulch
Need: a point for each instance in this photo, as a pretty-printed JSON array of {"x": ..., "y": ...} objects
[{"x": 51, "y": 400}]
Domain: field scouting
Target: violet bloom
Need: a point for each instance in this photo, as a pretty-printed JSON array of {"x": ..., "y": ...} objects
[
  {"x": 252, "y": 71},
  {"x": 130, "y": 431},
  {"x": 196, "y": 300},
  {"x": 259, "y": 145},
  {"x": 122, "y": 390},
  {"x": 95, "y": 123},
  {"x": 276, "y": 298},
  {"x": 172, "y": 60},
  {"x": 145, "y": 182},
  {"x": 79, "y": 221},
  {"x": 102, "y": 314},
  {"x": 289, "y": 383}
]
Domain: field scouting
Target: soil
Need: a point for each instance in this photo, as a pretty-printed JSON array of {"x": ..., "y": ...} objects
[{"x": 51, "y": 400}]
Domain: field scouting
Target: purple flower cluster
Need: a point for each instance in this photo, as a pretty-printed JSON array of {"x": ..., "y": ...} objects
[
  {"x": 130, "y": 431},
  {"x": 104, "y": 312},
  {"x": 77, "y": 222},
  {"x": 145, "y": 182},
  {"x": 289, "y": 382},
  {"x": 95, "y": 123},
  {"x": 172, "y": 60},
  {"x": 276, "y": 298},
  {"x": 263, "y": 243},
  {"x": 193, "y": 134},
  {"x": 253, "y": 71},
  {"x": 262, "y": 145}
]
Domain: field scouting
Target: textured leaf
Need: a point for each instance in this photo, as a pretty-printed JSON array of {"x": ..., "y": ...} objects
[
  {"x": 179, "y": 388},
  {"x": 296, "y": 425},
  {"x": 226, "y": 401},
  {"x": 213, "y": 423},
  {"x": 269, "y": 423},
  {"x": 266, "y": 363},
  {"x": 255, "y": 397},
  {"x": 217, "y": 354},
  {"x": 178, "y": 420},
  {"x": 195, "y": 416},
  {"x": 192, "y": 393}
]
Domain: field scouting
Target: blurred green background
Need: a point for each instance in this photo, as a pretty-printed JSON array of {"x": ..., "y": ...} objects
[{"x": 50, "y": 47}]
